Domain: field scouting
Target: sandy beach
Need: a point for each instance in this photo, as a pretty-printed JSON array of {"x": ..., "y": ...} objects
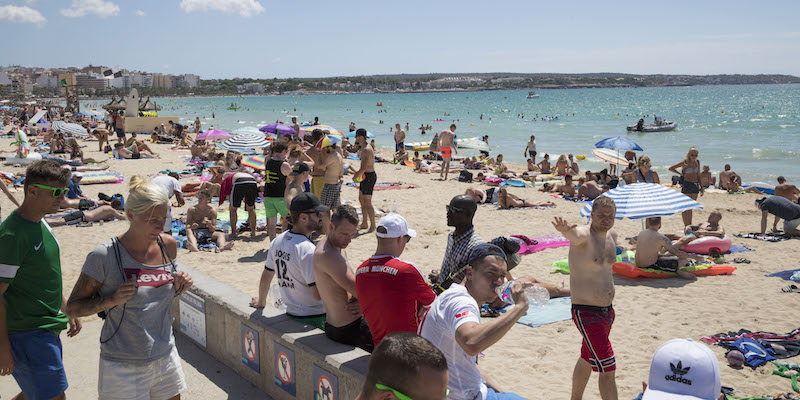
[{"x": 533, "y": 362}]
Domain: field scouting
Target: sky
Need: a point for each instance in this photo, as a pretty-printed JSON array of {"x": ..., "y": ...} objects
[{"x": 320, "y": 38}]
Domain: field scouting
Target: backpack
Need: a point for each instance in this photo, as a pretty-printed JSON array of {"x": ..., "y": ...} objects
[{"x": 465, "y": 176}]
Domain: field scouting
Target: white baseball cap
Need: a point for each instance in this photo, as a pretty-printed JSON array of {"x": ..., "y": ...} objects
[
  {"x": 395, "y": 225},
  {"x": 683, "y": 369}
]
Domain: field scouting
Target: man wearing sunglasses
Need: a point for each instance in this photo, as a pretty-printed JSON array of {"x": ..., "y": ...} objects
[
  {"x": 405, "y": 366},
  {"x": 31, "y": 316},
  {"x": 291, "y": 257},
  {"x": 460, "y": 242},
  {"x": 392, "y": 292},
  {"x": 453, "y": 323}
]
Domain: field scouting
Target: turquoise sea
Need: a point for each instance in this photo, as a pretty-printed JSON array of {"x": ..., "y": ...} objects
[{"x": 755, "y": 128}]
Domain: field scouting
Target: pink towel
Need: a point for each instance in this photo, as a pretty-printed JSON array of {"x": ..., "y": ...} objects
[{"x": 528, "y": 245}]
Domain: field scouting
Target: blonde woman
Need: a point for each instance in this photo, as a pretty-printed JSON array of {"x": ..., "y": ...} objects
[
  {"x": 645, "y": 172},
  {"x": 133, "y": 280},
  {"x": 690, "y": 179},
  {"x": 562, "y": 165}
]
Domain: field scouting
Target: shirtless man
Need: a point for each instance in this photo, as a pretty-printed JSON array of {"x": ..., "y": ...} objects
[
  {"x": 544, "y": 165},
  {"x": 708, "y": 228},
  {"x": 592, "y": 251},
  {"x": 334, "y": 170},
  {"x": 706, "y": 178},
  {"x": 300, "y": 175},
  {"x": 101, "y": 213},
  {"x": 567, "y": 189},
  {"x": 367, "y": 172},
  {"x": 201, "y": 224},
  {"x": 336, "y": 282},
  {"x": 649, "y": 246},
  {"x": 588, "y": 189},
  {"x": 122, "y": 152},
  {"x": 296, "y": 128},
  {"x": 447, "y": 147},
  {"x": 102, "y": 137},
  {"x": 399, "y": 138},
  {"x": 725, "y": 176}
]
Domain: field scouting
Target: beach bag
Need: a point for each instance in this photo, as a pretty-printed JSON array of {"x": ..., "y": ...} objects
[
  {"x": 465, "y": 176},
  {"x": 754, "y": 353}
]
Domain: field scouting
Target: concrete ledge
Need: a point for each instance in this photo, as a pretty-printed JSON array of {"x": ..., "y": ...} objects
[{"x": 340, "y": 367}]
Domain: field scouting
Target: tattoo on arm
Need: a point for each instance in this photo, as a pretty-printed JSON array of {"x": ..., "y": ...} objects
[{"x": 85, "y": 299}]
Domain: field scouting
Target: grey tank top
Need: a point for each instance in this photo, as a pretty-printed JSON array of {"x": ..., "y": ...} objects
[{"x": 141, "y": 330}]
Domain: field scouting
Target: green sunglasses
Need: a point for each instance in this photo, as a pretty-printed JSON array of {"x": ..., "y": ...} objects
[
  {"x": 57, "y": 192},
  {"x": 398, "y": 394}
]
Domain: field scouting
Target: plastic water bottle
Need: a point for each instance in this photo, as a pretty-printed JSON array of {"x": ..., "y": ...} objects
[
  {"x": 537, "y": 295},
  {"x": 275, "y": 297}
]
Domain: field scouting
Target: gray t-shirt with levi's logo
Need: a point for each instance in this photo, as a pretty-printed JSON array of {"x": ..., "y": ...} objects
[{"x": 143, "y": 326}]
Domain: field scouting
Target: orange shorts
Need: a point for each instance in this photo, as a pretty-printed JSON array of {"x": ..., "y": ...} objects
[{"x": 446, "y": 152}]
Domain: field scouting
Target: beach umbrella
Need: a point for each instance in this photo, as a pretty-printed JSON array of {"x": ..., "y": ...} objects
[
  {"x": 353, "y": 134},
  {"x": 73, "y": 129},
  {"x": 244, "y": 143},
  {"x": 214, "y": 134},
  {"x": 327, "y": 140},
  {"x": 278, "y": 129},
  {"x": 331, "y": 130},
  {"x": 252, "y": 130},
  {"x": 610, "y": 156},
  {"x": 644, "y": 200},
  {"x": 618, "y": 143},
  {"x": 95, "y": 114},
  {"x": 255, "y": 162}
]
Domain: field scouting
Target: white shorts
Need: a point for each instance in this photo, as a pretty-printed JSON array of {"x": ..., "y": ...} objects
[
  {"x": 790, "y": 226},
  {"x": 157, "y": 380}
]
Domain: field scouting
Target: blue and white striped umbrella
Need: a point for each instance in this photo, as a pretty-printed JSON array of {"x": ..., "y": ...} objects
[
  {"x": 73, "y": 129},
  {"x": 644, "y": 200},
  {"x": 244, "y": 143}
]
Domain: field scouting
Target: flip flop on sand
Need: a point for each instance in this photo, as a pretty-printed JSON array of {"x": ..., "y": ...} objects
[
  {"x": 790, "y": 289},
  {"x": 741, "y": 260}
]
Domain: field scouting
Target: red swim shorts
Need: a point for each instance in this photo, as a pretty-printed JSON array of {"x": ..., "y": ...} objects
[
  {"x": 446, "y": 152},
  {"x": 594, "y": 323}
]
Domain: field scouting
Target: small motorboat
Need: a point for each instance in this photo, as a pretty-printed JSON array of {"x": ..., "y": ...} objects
[
  {"x": 532, "y": 95},
  {"x": 663, "y": 127}
]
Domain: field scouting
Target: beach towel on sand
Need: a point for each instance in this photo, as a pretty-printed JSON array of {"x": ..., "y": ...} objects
[
  {"x": 785, "y": 275},
  {"x": 783, "y": 346},
  {"x": 766, "y": 237},
  {"x": 384, "y": 185},
  {"x": 559, "y": 309},
  {"x": 532, "y": 245},
  {"x": 91, "y": 178}
]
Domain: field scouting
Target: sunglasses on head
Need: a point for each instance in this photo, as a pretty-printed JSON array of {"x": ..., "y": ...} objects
[
  {"x": 56, "y": 192},
  {"x": 398, "y": 394},
  {"x": 453, "y": 209},
  {"x": 310, "y": 212}
]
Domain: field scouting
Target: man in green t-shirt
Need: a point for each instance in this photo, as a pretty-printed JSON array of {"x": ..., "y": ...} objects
[{"x": 31, "y": 288}]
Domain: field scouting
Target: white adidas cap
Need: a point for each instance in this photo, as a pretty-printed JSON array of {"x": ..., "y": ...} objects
[
  {"x": 395, "y": 226},
  {"x": 683, "y": 369}
]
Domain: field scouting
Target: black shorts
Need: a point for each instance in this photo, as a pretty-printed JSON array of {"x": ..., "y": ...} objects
[
  {"x": 203, "y": 235},
  {"x": 368, "y": 184},
  {"x": 74, "y": 218},
  {"x": 532, "y": 154},
  {"x": 120, "y": 132},
  {"x": 355, "y": 333},
  {"x": 666, "y": 264},
  {"x": 690, "y": 187},
  {"x": 136, "y": 156},
  {"x": 244, "y": 188}
]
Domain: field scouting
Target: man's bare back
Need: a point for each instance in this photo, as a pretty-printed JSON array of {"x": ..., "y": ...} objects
[
  {"x": 446, "y": 139},
  {"x": 590, "y": 190},
  {"x": 333, "y": 276},
  {"x": 292, "y": 190},
  {"x": 787, "y": 191},
  {"x": 333, "y": 167},
  {"x": 590, "y": 259}
]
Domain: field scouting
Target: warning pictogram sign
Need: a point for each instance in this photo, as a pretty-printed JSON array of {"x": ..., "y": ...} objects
[
  {"x": 326, "y": 385},
  {"x": 284, "y": 368},
  {"x": 250, "y": 348}
]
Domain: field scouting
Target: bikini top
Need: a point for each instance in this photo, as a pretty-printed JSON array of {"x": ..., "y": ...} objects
[{"x": 691, "y": 170}]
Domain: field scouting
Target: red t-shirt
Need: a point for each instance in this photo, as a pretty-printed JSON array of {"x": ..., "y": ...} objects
[{"x": 391, "y": 292}]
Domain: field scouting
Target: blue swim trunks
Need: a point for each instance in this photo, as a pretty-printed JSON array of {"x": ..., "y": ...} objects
[{"x": 38, "y": 366}]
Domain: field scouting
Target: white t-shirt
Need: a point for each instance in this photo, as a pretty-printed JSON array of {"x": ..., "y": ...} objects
[
  {"x": 531, "y": 146},
  {"x": 453, "y": 308},
  {"x": 291, "y": 256},
  {"x": 169, "y": 185}
]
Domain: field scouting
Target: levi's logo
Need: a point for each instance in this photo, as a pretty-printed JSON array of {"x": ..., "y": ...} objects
[
  {"x": 149, "y": 277},
  {"x": 462, "y": 314},
  {"x": 678, "y": 371}
]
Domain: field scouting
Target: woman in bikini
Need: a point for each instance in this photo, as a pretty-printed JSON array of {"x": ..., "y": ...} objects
[
  {"x": 507, "y": 200},
  {"x": 690, "y": 179},
  {"x": 562, "y": 165},
  {"x": 645, "y": 173}
]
